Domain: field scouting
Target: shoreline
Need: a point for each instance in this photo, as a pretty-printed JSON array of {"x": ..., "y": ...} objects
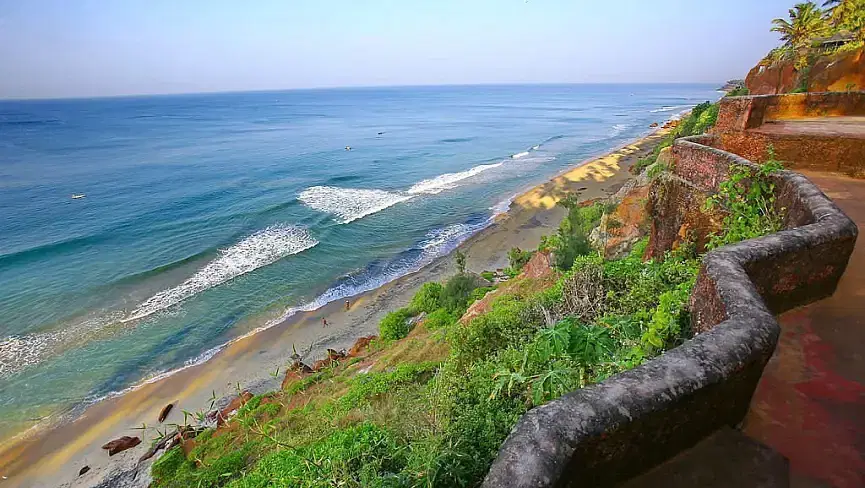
[{"x": 252, "y": 359}]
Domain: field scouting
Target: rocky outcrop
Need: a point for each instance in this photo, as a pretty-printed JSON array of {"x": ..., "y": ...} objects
[
  {"x": 361, "y": 345},
  {"x": 627, "y": 224},
  {"x": 119, "y": 445},
  {"x": 539, "y": 270}
]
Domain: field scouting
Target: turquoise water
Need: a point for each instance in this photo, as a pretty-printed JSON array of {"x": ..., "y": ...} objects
[{"x": 207, "y": 216}]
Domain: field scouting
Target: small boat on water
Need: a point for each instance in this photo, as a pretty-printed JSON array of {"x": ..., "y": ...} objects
[{"x": 78, "y": 195}]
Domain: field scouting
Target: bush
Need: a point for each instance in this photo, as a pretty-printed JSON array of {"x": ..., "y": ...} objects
[
  {"x": 395, "y": 324},
  {"x": 517, "y": 258},
  {"x": 739, "y": 91},
  {"x": 439, "y": 319},
  {"x": 572, "y": 240},
  {"x": 456, "y": 293},
  {"x": 427, "y": 299}
]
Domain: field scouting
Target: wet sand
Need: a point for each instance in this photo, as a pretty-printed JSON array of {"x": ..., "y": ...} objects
[{"x": 53, "y": 457}]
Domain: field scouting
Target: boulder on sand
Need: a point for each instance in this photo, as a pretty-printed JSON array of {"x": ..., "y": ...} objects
[
  {"x": 163, "y": 414},
  {"x": 83, "y": 470},
  {"x": 119, "y": 445}
]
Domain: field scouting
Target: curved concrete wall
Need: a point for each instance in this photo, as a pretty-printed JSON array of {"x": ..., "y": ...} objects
[{"x": 612, "y": 431}]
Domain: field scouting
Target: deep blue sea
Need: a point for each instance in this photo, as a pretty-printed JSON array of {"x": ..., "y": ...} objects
[{"x": 207, "y": 216}]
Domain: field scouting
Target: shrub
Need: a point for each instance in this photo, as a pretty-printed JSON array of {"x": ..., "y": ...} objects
[
  {"x": 395, "y": 325},
  {"x": 427, "y": 299},
  {"x": 572, "y": 240},
  {"x": 739, "y": 91},
  {"x": 456, "y": 293},
  {"x": 748, "y": 197},
  {"x": 439, "y": 319},
  {"x": 518, "y": 258}
]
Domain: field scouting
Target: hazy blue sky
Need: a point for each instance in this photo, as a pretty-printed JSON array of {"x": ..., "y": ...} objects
[{"x": 59, "y": 48}]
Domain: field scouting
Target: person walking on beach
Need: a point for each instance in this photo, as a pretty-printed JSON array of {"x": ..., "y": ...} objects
[
  {"x": 347, "y": 305},
  {"x": 323, "y": 322}
]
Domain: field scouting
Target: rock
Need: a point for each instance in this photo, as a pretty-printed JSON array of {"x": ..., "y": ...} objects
[
  {"x": 619, "y": 230},
  {"x": 653, "y": 125},
  {"x": 412, "y": 322},
  {"x": 83, "y": 470},
  {"x": 335, "y": 355},
  {"x": 300, "y": 367},
  {"x": 119, "y": 445},
  {"x": 538, "y": 270},
  {"x": 539, "y": 266},
  {"x": 163, "y": 414},
  {"x": 322, "y": 363},
  {"x": 360, "y": 345},
  {"x": 232, "y": 406}
]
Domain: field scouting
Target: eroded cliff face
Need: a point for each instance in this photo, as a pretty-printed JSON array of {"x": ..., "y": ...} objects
[{"x": 839, "y": 72}]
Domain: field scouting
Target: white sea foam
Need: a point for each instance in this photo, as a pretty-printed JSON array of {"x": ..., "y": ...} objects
[
  {"x": 618, "y": 129},
  {"x": 19, "y": 352},
  {"x": 668, "y": 108},
  {"x": 349, "y": 204},
  {"x": 447, "y": 181},
  {"x": 260, "y": 249},
  {"x": 520, "y": 155},
  {"x": 536, "y": 147}
]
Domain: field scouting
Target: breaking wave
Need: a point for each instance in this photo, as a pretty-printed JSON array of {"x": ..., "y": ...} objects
[
  {"x": 668, "y": 108},
  {"x": 349, "y": 204},
  {"x": 618, "y": 129},
  {"x": 447, "y": 181},
  {"x": 519, "y": 155},
  {"x": 260, "y": 249}
]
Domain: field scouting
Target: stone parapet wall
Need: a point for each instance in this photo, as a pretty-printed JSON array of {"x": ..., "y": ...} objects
[
  {"x": 606, "y": 433},
  {"x": 743, "y": 113},
  {"x": 797, "y": 128}
]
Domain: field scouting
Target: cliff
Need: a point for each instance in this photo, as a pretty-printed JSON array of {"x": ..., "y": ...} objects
[{"x": 841, "y": 71}]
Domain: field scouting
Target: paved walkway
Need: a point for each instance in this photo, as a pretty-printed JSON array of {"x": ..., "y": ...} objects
[
  {"x": 822, "y": 127},
  {"x": 810, "y": 403}
]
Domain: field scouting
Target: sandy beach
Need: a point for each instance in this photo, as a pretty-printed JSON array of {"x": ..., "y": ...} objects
[{"x": 53, "y": 457}]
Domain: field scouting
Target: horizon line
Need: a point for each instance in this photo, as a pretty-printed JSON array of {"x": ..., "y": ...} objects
[{"x": 346, "y": 87}]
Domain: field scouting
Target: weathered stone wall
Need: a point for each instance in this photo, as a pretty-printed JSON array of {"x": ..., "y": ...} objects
[
  {"x": 743, "y": 113},
  {"x": 840, "y": 155},
  {"x": 609, "y": 432},
  {"x": 741, "y": 121}
]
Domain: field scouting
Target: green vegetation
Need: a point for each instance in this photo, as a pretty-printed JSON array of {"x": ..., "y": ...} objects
[
  {"x": 517, "y": 258},
  {"x": 748, "y": 196},
  {"x": 806, "y": 22},
  {"x": 395, "y": 325},
  {"x": 572, "y": 238},
  {"x": 701, "y": 118},
  {"x": 431, "y": 409},
  {"x": 807, "y": 25},
  {"x": 739, "y": 91}
]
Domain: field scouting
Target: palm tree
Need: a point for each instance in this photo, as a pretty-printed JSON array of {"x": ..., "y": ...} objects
[
  {"x": 847, "y": 15},
  {"x": 806, "y": 23}
]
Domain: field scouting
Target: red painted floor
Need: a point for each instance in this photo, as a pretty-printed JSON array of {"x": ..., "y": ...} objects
[{"x": 810, "y": 403}]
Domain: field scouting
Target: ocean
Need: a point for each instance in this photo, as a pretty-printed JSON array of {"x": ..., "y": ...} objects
[{"x": 205, "y": 217}]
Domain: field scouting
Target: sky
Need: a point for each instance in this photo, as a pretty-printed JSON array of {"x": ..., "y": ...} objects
[{"x": 88, "y": 48}]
